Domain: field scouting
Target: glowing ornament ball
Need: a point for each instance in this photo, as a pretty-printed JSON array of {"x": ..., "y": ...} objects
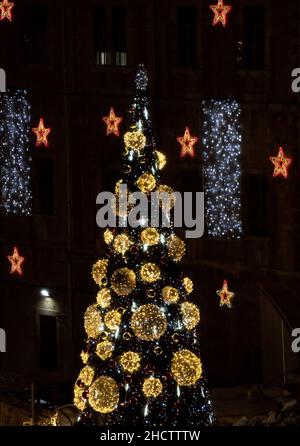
[
  {"x": 113, "y": 320},
  {"x": 130, "y": 362},
  {"x": 150, "y": 236},
  {"x": 186, "y": 368},
  {"x": 152, "y": 387},
  {"x": 146, "y": 182},
  {"x": 123, "y": 281},
  {"x": 176, "y": 248},
  {"x": 150, "y": 272},
  {"x": 99, "y": 271},
  {"x": 104, "y": 298},
  {"x": 161, "y": 160},
  {"x": 104, "y": 350},
  {"x": 108, "y": 236},
  {"x": 170, "y": 295},
  {"x": 134, "y": 140},
  {"x": 87, "y": 375},
  {"x": 148, "y": 322},
  {"x": 104, "y": 394},
  {"x": 92, "y": 321},
  {"x": 188, "y": 285},
  {"x": 122, "y": 243},
  {"x": 79, "y": 401},
  {"x": 84, "y": 357},
  {"x": 190, "y": 315},
  {"x": 166, "y": 196}
]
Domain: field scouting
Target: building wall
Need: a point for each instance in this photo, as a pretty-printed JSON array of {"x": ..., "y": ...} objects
[{"x": 72, "y": 94}]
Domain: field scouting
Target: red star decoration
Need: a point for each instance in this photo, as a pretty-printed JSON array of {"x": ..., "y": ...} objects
[
  {"x": 187, "y": 143},
  {"x": 41, "y": 134},
  {"x": 112, "y": 122},
  {"x": 281, "y": 163},
  {"x": 220, "y": 11},
  {"x": 6, "y": 10},
  {"x": 16, "y": 262},
  {"x": 225, "y": 295}
]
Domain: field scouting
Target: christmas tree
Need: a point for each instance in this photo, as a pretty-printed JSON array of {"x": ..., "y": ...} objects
[{"x": 141, "y": 357}]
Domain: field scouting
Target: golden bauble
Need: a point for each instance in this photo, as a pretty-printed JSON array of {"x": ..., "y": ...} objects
[
  {"x": 130, "y": 361},
  {"x": 190, "y": 315},
  {"x": 104, "y": 394},
  {"x": 186, "y": 368},
  {"x": 150, "y": 273},
  {"x": 87, "y": 375},
  {"x": 104, "y": 350},
  {"x": 122, "y": 243},
  {"x": 79, "y": 401},
  {"x": 112, "y": 320},
  {"x": 166, "y": 196},
  {"x": 146, "y": 182},
  {"x": 104, "y": 298},
  {"x": 108, "y": 236},
  {"x": 152, "y": 387},
  {"x": 126, "y": 336},
  {"x": 134, "y": 140},
  {"x": 148, "y": 322},
  {"x": 150, "y": 236},
  {"x": 170, "y": 295},
  {"x": 92, "y": 321},
  {"x": 99, "y": 270},
  {"x": 84, "y": 357},
  {"x": 123, "y": 281},
  {"x": 176, "y": 248},
  {"x": 188, "y": 285},
  {"x": 161, "y": 159}
]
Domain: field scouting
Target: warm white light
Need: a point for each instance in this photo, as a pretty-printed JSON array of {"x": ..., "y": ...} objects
[{"x": 45, "y": 292}]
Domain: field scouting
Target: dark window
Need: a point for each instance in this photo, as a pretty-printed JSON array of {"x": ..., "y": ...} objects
[
  {"x": 44, "y": 186},
  {"x": 187, "y": 36},
  {"x": 110, "y": 46},
  {"x": 48, "y": 343},
  {"x": 119, "y": 35},
  {"x": 36, "y": 33},
  {"x": 101, "y": 43},
  {"x": 254, "y": 38},
  {"x": 255, "y": 206}
]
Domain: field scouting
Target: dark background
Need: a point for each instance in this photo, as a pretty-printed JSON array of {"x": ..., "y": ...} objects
[{"x": 76, "y": 59}]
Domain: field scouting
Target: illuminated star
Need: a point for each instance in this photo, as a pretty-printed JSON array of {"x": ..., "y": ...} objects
[
  {"x": 225, "y": 295},
  {"x": 187, "y": 143},
  {"x": 6, "y": 10},
  {"x": 16, "y": 262},
  {"x": 112, "y": 121},
  {"x": 41, "y": 134},
  {"x": 281, "y": 164},
  {"x": 220, "y": 11}
]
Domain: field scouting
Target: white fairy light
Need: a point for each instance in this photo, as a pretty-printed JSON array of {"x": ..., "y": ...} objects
[
  {"x": 15, "y": 161},
  {"x": 222, "y": 171},
  {"x": 178, "y": 391}
]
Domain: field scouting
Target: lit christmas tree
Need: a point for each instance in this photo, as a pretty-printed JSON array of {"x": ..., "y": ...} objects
[{"x": 141, "y": 357}]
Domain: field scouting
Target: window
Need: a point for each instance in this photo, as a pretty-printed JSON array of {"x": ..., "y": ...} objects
[
  {"x": 187, "y": 36},
  {"x": 44, "y": 186},
  {"x": 110, "y": 45},
  {"x": 48, "y": 343},
  {"x": 253, "y": 44},
  {"x": 36, "y": 33},
  {"x": 256, "y": 205}
]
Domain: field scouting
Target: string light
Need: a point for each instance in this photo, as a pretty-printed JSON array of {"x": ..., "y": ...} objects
[
  {"x": 15, "y": 160},
  {"x": 41, "y": 133},
  {"x": 6, "y": 10},
  {"x": 281, "y": 163},
  {"x": 220, "y": 12},
  {"x": 222, "y": 171},
  {"x": 187, "y": 143},
  {"x": 16, "y": 261},
  {"x": 112, "y": 123},
  {"x": 225, "y": 295}
]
